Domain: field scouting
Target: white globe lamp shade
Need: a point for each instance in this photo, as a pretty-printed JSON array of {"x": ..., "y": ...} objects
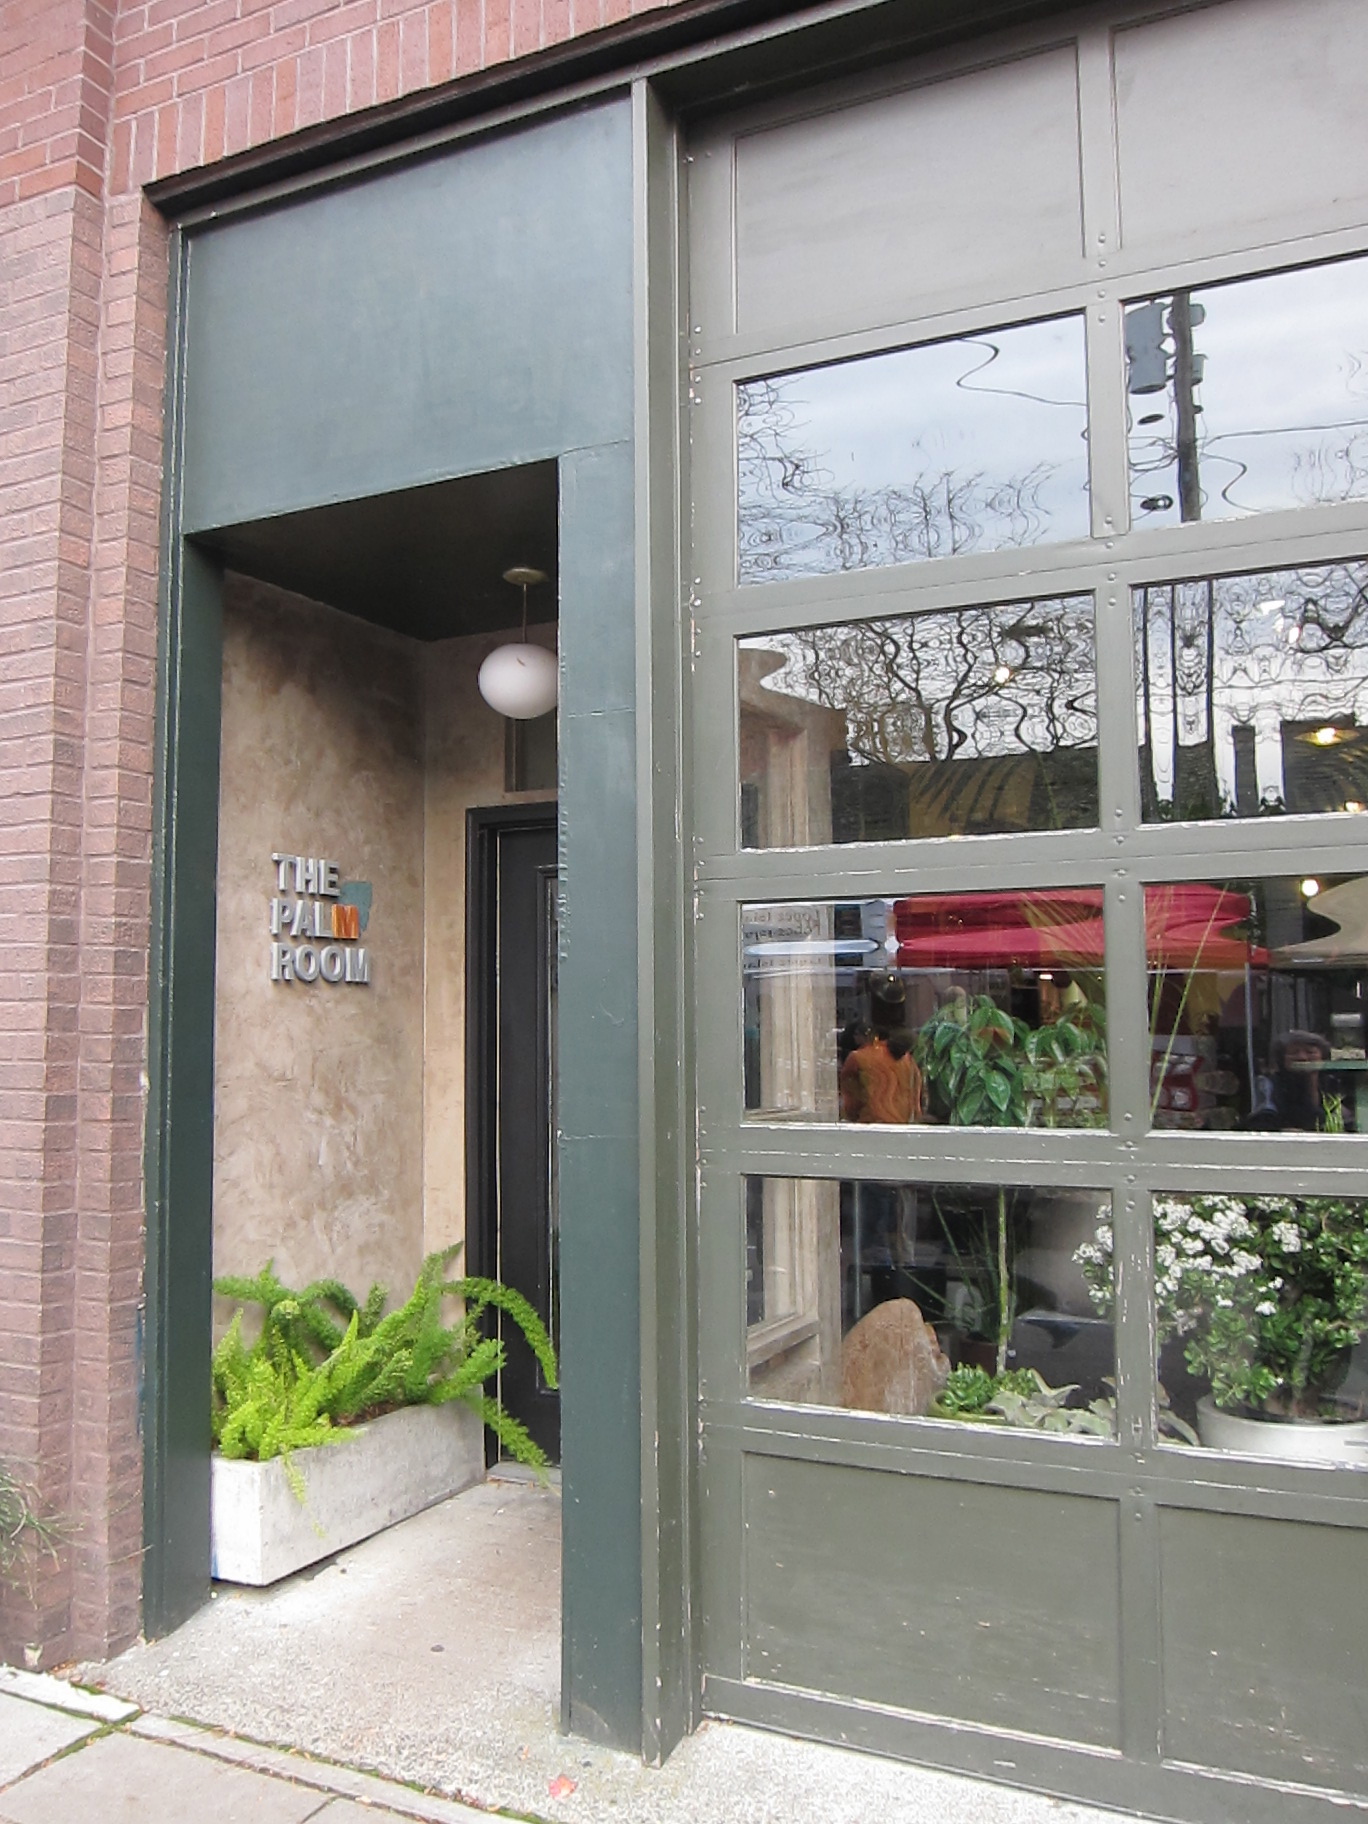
[{"x": 519, "y": 681}]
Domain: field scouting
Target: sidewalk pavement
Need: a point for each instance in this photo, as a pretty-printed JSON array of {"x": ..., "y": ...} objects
[{"x": 67, "y": 1754}]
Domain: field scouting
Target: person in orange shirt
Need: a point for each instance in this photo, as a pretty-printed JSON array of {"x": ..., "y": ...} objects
[{"x": 880, "y": 1082}]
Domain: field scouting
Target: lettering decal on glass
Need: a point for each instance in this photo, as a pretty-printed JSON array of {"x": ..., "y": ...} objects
[{"x": 317, "y": 920}]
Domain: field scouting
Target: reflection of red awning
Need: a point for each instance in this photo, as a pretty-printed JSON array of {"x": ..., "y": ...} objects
[{"x": 1188, "y": 927}]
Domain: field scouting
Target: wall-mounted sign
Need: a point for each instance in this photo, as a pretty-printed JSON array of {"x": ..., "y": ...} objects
[{"x": 317, "y": 921}]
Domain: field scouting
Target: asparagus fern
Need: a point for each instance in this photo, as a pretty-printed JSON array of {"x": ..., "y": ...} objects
[{"x": 325, "y": 1360}]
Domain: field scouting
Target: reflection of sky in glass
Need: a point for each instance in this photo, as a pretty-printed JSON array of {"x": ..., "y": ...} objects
[
  {"x": 971, "y": 445},
  {"x": 1283, "y": 397},
  {"x": 1254, "y": 692}
]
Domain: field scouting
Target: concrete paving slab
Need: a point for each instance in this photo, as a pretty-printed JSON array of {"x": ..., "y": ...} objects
[
  {"x": 430, "y": 1653},
  {"x": 31, "y": 1734},
  {"x": 347, "y": 1811},
  {"x": 123, "y": 1780},
  {"x": 327, "y": 1776},
  {"x": 43, "y": 1688}
]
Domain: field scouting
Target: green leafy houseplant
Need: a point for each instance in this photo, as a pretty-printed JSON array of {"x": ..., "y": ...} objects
[
  {"x": 986, "y": 1068},
  {"x": 325, "y": 1361},
  {"x": 1024, "y": 1399},
  {"x": 1021, "y": 1398},
  {"x": 1269, "y": 1293}
]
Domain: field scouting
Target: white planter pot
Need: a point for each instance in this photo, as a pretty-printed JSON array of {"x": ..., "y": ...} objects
[
  {"x": 1287, "y": 1440},
  {"x": 388, "y": 1469}
]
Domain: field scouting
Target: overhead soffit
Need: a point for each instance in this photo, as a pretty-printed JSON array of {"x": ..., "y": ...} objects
[{"x": 427, "y": 562}]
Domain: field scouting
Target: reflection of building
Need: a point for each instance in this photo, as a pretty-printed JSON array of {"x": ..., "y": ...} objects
[
  {"x": 785, "y": 743},
  {"x": 964, "y": 796},
  {"x": 1324, "y": 765},
  {"x": 788, "y": 742}
]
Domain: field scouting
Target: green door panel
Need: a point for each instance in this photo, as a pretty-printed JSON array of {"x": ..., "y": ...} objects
[
  {"x": 996, "y": 1606},
  {"x": 1265, "y": 1631}
]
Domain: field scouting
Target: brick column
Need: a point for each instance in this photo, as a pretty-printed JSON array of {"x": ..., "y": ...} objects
[
  {"x": 115, "y": 896},
  {"x": 76, "y": 766}
]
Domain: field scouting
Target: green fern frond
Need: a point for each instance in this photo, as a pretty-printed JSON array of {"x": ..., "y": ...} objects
[
  {"x": 511, "y": 1433},
  {"x": 484, "y": 1361},
  {"x": 307, "y": 1376},
  {"x": 481, "y": 1293},
  {"x": 264, "y": 1290}
]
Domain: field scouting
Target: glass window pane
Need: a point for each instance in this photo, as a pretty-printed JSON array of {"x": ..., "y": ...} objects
[
  {"x": 971, "y": 445},
  {"x": 1249, "y": 396},
  {"x": 970, "y": 1009},
  {"x": 966, "y": 721},
  {"x": 964, "y": 1302},
  {"x": 1262, "y": 1307},
  {"x": 1256, "y": 992},
  {"x": 1253, "y": 693}
]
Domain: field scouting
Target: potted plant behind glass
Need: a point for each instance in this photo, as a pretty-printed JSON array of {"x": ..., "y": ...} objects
[
  {"x": 986, "y": 1068},
  {"x": 406, "y": 1392},
  {"x": 1270, "y": 1297}
]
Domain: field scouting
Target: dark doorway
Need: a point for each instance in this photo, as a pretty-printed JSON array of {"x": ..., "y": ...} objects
[{"x": 511, "y": 1181}]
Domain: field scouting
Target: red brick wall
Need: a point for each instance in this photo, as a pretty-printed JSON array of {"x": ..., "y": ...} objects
[
  {"x": 198, "y": 79},
  {"x": 55, "y": 94},
  {"x": 98, "y": 98}
]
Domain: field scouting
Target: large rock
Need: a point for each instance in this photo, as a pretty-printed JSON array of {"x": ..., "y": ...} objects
[{"x": 892, "y": 1362}]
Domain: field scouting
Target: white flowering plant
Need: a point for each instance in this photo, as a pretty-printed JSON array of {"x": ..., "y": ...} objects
[{"x": 1269, "y": 1293}]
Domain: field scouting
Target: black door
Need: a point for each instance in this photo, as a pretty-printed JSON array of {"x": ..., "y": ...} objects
[{"x": 514, "y": 1232}]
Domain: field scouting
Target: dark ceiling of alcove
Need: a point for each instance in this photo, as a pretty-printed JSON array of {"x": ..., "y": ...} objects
[{"x": 427, "y": 562}]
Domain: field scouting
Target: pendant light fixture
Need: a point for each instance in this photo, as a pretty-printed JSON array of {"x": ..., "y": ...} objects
[{"x": 519, "y": 680}]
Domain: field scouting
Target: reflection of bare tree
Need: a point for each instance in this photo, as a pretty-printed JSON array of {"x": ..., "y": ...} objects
[
  {"x": 794, "y": 521},
  {"x": 1242, "y": 678},
  {"x": 988, "y": 714},
  {"x": 958, "y": 684}
]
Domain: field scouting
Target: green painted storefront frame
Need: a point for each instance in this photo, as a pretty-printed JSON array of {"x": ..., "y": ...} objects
[
  {"x": 634, "y": 1593},
  {"x": 1111, "y": 1531}
]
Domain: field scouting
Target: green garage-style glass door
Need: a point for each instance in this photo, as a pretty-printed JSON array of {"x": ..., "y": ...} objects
[{"x": 1030, "y": 706}]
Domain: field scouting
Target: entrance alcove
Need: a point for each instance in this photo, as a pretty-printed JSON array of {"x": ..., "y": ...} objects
[
  {"x": 448, "y": 327},
  {"x": 353, "y": 730}
]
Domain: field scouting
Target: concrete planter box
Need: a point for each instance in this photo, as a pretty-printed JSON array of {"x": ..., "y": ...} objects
[{"x": 389, "y": 1469}]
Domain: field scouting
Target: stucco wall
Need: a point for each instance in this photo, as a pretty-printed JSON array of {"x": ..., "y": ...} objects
[
  {"x": 318, "y": 1118},
  {"x": 339, "y": 1121}
]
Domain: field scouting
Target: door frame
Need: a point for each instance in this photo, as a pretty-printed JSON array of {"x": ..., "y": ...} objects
[{"x": 485, "y": 824}]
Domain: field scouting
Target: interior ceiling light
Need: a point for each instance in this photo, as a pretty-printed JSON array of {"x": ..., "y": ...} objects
[
  {"x": 519, "y": 680},
  {"x": 1329, "y": 735},
  {"x": 1310, "y": 887}
]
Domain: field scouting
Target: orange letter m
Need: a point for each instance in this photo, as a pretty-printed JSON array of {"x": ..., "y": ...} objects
[{"x": 346, "y": 921}]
